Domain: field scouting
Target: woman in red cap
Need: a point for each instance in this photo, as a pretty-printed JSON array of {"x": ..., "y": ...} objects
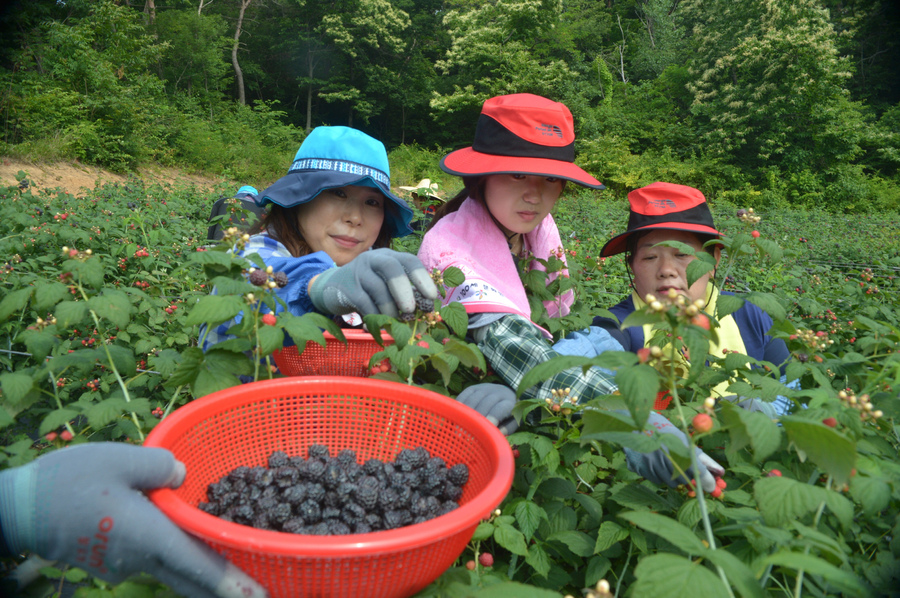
[
  {"x": 516, "y": 169},
  {"x": 663, "y": 212}
]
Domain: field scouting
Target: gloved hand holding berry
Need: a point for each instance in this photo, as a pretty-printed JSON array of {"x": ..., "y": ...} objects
[
  {"x": 658, "y": 467},
  {"x": 495, "y": 402},
  {"x": 84, "y": 506},
  {"x": 377, "y": 281}
]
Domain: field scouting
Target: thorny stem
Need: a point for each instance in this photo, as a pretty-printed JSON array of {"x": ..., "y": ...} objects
[
  {"x": 624, "y": 568},
  {"x": 798, "y": 587}
]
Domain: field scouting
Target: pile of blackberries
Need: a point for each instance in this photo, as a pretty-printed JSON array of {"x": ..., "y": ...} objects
[
  {"x": 325, "y": 495},
  {"x": 423, "y": 304}
]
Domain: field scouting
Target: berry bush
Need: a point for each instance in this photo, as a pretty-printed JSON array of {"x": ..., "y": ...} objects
[{"x": 105, "y": 297}]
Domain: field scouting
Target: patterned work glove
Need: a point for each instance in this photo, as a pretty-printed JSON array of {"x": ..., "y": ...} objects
[
  {"x": 657, "y": 466},
  {"x": 83, "y": 506},
  {"x": 376, "y": 281},
  {"x": 495, "y": 402}
]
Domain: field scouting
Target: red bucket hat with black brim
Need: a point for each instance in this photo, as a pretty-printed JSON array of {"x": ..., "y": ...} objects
[
  {"x": 664, "y": 206},
  {"x": 524, "y": 134}
]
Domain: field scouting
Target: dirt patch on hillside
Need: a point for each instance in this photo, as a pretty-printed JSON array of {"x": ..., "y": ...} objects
[{"x": 76, "y": 178}]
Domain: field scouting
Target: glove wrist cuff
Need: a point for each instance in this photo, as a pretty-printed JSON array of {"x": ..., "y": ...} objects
[{"x": 17, "y": 508}]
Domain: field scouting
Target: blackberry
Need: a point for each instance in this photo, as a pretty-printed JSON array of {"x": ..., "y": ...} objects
[
  {"x": 395, "y": 519},
  {"x": 243, "y": 513},
  {"x": 318, "y": 451},
  {"x": 310, "y": 512},
  {"x": 366, "y": 497},
  {"x": 280, "y": 279},
  {"x": 295, "y": 494},
  {"x": 315, "y": 492},
  {"x": 404, "y": 496},
  {"x": 346, "y": 457},
  {"x": 458, "y": 474},
  {"x": 373, "y": 467},
  {"x": 373, "y": 521},
  {"x": 334, "y": 475},
  {"x": 320, "y": 529},
  {"x": 338, "y": 528},
  {"x": 239, "y": 473},
  {"x": 448, "y": 506},
  {"x": 451, "y": 492},
  {"x": 280, "y": 514},
  {"x": 286, "y": 476},
  {"x": 212, "y": 508},
  {"x": 315, "y": 471},
  {"x": 278, "y": 458},
  {"x": 330, "y": 513},
  {"x": 362, "y": 528},
  {"x": 266, "y": 503},
  {"x": 258, "y": 278},
  {"x": 422, "y": 302},
  {"x": 387, "y": 498},
  {"x": 409, "y": 317},
  {"x": 352, "y": 514},
  {"x": 261, "y": 521},
  {"x": 293, "y": 526}
]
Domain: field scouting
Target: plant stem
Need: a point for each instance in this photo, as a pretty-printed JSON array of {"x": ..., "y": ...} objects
[{"x": 798, "y": 586}]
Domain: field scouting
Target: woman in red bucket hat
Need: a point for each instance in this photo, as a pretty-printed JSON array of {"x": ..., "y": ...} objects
[
  {"x": 515, "y": 170},
  {"x": 663, "y": 212}
]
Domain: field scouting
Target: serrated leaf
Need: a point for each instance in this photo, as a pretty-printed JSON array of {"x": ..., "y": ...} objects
[
  {"x": 638, "y": 385},
  {"x": 215, "y": 309},
  {"x": 39, "y": 343},
  {"x": 637, "y": 496},
  {"x": 453, "y": 277},
  {"x": 15, "y": 386},
  {"x": 825, "y": 446},
  {"x": 165, "y": 362},
  {"x": 673, "y": 576},
  {"x": 14, "y": 302},
  {"x": 512, "y": 588},
  {"x": 271, "y": 338},
  {"x": 577, "y": 542},
  {"x": 844, "y": 580},
  {"x": 749, "y": 427},
  {"x": 609, "y": 533},
  {"x": 667, "y": 528},
  {"x": 558, "y": 488},
  {"x": 56, "y": 419},
  {"x": 467, "y": 354},
  {"x": 698, "y": 267},
  {"x": 302, "y": 329},
  {"x": 727, "y": 304},
  {"x": 122, "y": 358},
  {"x": 455, "y": 317},
  {"x": 872, "y": 493},
  {"x": 737, "y": 572},
  {"x": 106, "y": 411},
  {"x": 112, "y": 305},
  {"x": 591, "y": 505},
  {"x": 782, "y": 499},
  {"x": 69, "y": 313},
  {"x": 511, "y": 539},
  {"x": 484, "y": 531},
  {"x": 769, "y": 303},
  {"x": 597, "y": 567},
  {"x": 528, "y": 516}
]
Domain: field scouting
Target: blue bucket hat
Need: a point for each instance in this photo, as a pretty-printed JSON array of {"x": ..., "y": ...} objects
[
  {"x": 248, "y": 191},
  {"x": 337, "y": 157}
]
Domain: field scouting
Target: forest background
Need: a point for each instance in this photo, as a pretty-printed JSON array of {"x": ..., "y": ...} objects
[{"x": 764, "y": 102}]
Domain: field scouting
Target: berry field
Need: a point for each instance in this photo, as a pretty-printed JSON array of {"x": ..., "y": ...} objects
[{"x": 103, "y": 297}]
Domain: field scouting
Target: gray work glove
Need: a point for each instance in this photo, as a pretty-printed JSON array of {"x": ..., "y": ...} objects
[
  {"x": 495, "y": 402},
  {"x": 379, "y": 281},
  {"x": 83, "y": 506},
  {"x": 657, "y": 466}
]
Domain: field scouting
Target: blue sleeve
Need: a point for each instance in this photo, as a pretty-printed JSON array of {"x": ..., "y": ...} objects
[{"x": 589, "y": 342}]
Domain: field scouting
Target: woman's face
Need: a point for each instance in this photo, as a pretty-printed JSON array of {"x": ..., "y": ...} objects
[
  {"x": 520, "y": 202},
  {"x": 343, "y": 221},
  {"x": 658, "y": 269}
]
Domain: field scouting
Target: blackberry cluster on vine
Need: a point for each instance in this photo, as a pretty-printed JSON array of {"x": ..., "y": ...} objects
[
  {"x": 335, "y": 495},
  {"x": 423, "y": 305}
]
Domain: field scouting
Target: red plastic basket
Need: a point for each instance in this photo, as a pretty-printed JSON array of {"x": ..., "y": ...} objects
[
  {"x": 335, "y": 358},
  {"x": 377, "y": 419}
]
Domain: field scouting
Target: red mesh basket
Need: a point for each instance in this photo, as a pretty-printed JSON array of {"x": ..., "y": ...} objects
[
  {"x": 377, "y": 419},
  {"x": 335, "y": 358}
]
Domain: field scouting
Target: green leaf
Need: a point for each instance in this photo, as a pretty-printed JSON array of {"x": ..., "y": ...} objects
[
  {"x": 455, "y": 317},
  {"x": 782, "y": 499},
  {"x": 769, "y": 303},
  {"x": 667, "y": 528},
  {"x": 15, "y": 386},
  {"x": 69, "y": 313},
  {"x": 539, "y": 559},
  {"x": 56, "y": 419},
  {"x": 484, "y": 531},
  {"x": 106, "y": 411},
  {"x": 749, "y": 427},
  {"x": 302, "y": 330},
  {"x": 737, "y": 572},
  {"x": 844, "y": 580},
  {"x": 872, "y": 493},
  {"x": 271, "y": 338},
  {"x": 673, "y": 576},
  {"x": 609, "y": 533},
  {"x": 15, "y": 301},
  {"x": 511, "y": 539},
  {"x": 112, "y": 305},
  {"x": 215, "y": 309},
  {"x": 219, "y": 371},
  {"x": 39, "y": 343},
  {"x": 528, "y": 516},
  {"x": 727, "y": 304},
  {"x": 122, "y": 359},
  {"x": 638, "y": 385},
  {"x": 577, "y": 542},
  {"x": 467, "y": 354},
  {"x": 597, "y": 568},
  {"x": 825, "y": 446},
  {"x": 453, "y": 277},
  {"x": 591, "y": 506},
  {"x": 49, "y": 295}
]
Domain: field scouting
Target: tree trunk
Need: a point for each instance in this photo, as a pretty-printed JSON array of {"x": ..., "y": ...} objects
[
  {"x": 150, "y": 11},
  {"x": 238, "y": 74}
]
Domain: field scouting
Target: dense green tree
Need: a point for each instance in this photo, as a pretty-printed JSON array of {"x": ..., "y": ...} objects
[{"x": 194, "y": 61}]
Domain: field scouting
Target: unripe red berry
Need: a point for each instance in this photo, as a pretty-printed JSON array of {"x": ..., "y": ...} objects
[
  {"x": 269, "y": 319},
  {"x": 51, "y": 436},
  {"x": 721, "y": 484},
  {"x": 702, "y": 422},
  {"x": 486, "y": 559},
  {"x": 65, "y": 435},
  {"x": 755, "y": 234},
  {"x": 701, "y": 320},
  {"x": 470, "y": 565},
  {"x": 775, "y": 473},
  {"x": 643, "y": 354},
  {"x": 716, "y": 493},
  {"x": 830, "y": 422}
]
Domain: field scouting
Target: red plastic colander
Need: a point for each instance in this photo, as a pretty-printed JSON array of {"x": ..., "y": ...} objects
[
  {"x": 243, "y": 425},
  {"x": 335, "y": 358}
]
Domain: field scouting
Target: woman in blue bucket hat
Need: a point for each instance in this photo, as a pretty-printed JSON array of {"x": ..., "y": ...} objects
[{"x": 329, "y": 228}]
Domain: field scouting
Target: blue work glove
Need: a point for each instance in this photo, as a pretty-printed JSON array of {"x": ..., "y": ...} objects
[
  {"x": 495, "y": 402},
  {"x": 764, "y": 407},
  {"x": 657, "y": 466},
  {"x": 380, "y": 281},
  {"x": 84, "y": 506}
]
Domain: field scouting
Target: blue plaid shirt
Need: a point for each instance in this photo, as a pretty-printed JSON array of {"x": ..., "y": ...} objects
[{"x": 299, "y": 271}]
